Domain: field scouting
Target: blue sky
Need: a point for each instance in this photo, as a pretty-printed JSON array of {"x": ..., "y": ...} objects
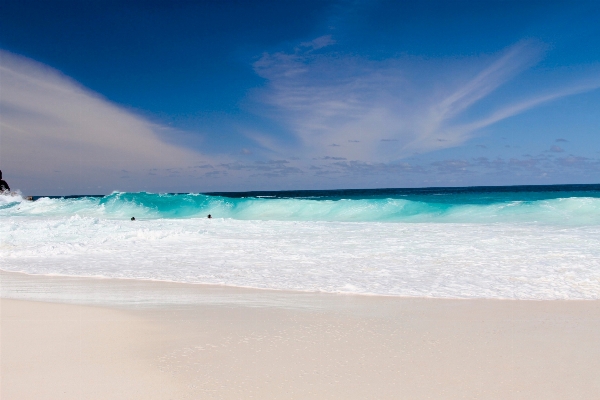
[{"x": 98, "y": 96}]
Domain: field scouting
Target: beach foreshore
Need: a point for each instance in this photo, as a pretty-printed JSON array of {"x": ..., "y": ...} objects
[{"x": 119, "y": 339}]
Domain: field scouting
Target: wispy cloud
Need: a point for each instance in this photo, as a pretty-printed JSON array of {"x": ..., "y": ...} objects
[
  {"x": 394, "y": 107},
  {"x": 463, "y": 132},
  {"x": 49, "y": 122},
  {"x": 270, "y": 168},
  {"x": 463, "y": 171},
  {"x": 319, "y": 43},
  {"x": 506, "y": 66}
]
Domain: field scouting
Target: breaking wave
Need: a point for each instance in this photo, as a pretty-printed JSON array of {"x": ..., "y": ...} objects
[{"x": 531, "y": 207}]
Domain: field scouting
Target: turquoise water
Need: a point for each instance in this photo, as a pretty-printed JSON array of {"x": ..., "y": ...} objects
[{"x": 568, "y": 204}]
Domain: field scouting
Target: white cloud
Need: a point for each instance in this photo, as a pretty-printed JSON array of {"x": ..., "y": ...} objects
[
  {"x": 56, "y": 133},
  {"x": 393, "y": 107},
  {"x": 320, "y": 42},
  {"x": 462, "y": 132}
]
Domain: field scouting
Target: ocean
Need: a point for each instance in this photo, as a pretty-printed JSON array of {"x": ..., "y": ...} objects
[{"x": 515, "y": 242}]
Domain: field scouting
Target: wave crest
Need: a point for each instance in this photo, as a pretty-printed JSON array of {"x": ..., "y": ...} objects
[{"x": 120, "y": 205}]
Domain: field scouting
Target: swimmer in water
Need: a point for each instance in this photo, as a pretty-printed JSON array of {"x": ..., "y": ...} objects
[
  {"x": 209, "y": 216},
  {"x": 133, "y": 218}
]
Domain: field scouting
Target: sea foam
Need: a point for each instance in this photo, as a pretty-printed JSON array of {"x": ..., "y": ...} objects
[{"x": 537, "y": 248}]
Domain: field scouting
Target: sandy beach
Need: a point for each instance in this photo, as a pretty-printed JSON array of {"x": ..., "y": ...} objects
[
  {"x": 290, "y": 345},
  {"x": 298, "y": 200}
]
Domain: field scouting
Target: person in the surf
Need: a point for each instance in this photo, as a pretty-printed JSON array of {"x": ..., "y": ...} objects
[{"x": 3, "y": 185}]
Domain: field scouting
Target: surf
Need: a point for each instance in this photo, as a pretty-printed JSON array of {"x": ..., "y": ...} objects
[{"x": 561, "y": 207}]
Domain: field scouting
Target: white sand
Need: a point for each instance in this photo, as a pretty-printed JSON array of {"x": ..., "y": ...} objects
[{"x": 337, "y": 346}]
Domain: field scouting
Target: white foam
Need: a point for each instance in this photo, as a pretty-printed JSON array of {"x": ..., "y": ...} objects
[
  {"x": 7, "y": 198},
  {"x": 501, "y": 260}
]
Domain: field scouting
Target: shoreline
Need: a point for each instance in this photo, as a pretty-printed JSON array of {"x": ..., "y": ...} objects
[
  {"x": 159, "y": 340},
  {"x": 9, "y": 278}
]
